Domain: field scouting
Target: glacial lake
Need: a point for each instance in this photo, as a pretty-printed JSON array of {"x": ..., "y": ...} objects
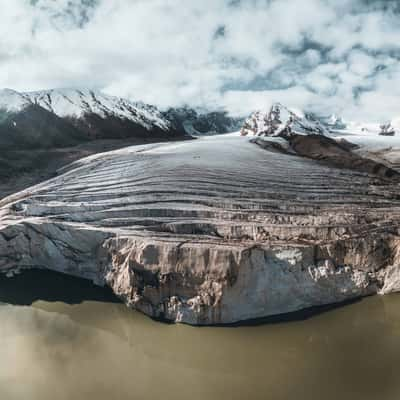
[{"x": 70, "y": 340}]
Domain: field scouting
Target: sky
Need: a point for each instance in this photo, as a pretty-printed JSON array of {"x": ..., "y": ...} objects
[{"x": 325, "y": 56}]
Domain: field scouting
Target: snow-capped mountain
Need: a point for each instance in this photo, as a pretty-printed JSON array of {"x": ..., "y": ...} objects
[
  {"x": 12, "y": 101},
  {"x": 94, "y": 115},
  {"x": 280, "y": 120},
  {"x": 199, "y": 123},
  {"x": 62, "y": 116},
  {"x": 74, "y": 103},
  {"x": 334, "y": 122},
  {"x": 369, "y": 128}
]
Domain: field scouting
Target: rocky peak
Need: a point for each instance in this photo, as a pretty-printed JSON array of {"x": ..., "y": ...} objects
[
  {"x": 280, "y": 120},
  {"x": 335, "y": 122},
  {"x": 387, "y": 130}
]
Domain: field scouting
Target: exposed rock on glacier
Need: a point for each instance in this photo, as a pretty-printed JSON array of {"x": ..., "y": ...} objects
[
  {"x": 210, "y": 231},
  {"x": 286, "y": 131}
]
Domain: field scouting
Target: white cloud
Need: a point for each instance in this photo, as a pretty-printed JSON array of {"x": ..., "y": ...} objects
[
  {"x": 314, "y": 53},
  {"x": 244, "y": 102},
  {"x": 362, "y": 64}
]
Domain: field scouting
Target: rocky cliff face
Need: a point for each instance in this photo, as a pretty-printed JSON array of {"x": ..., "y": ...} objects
[{"x": 212, "y": 231}]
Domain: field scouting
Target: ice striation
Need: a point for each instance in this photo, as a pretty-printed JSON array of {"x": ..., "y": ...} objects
[{"x": 211, "y": 231}]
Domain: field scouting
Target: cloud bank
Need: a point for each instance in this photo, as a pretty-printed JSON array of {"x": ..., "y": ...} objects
[{"x": 322, "y": 55}]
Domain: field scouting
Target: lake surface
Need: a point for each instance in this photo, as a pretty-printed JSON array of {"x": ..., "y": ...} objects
[{"x": 89, "y": 346}]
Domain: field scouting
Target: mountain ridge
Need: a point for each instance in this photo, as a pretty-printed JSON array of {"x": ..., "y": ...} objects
[
  {"x": 280, "y": 120},
  {"x": 96, "y": 115}
]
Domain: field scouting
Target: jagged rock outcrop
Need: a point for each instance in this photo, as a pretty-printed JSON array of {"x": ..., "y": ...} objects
[
  {"x": 280, "y": 120},
  {"x": 387, "y": 130},
  {"x": 211, "y": 231}
]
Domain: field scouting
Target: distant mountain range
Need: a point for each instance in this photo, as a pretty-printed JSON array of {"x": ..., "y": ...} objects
[
  {"x": 198, "y": 123},
  {"x": 279, "y": 120},
  {"x": 64, "y": 117}
]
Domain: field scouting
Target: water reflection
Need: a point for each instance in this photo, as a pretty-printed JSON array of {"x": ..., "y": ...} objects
[
  {"x": 96, "y": 347},
  {"x": 40, "y": 284}
]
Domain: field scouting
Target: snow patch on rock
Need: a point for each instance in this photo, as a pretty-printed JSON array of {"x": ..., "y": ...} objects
[
  {"x": 12, "y": 101},
  {"x": 280, "y": 120},
  {"x": 76, "y": 103}
]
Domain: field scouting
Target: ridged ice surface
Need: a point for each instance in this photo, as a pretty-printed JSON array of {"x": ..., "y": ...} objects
[
  {"x": 210, "y": 231},
  {"x": 223, "y": 182}
]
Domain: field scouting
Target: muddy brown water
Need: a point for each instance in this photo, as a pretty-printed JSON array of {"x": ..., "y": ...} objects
[{"x": 55, "y": 345}]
